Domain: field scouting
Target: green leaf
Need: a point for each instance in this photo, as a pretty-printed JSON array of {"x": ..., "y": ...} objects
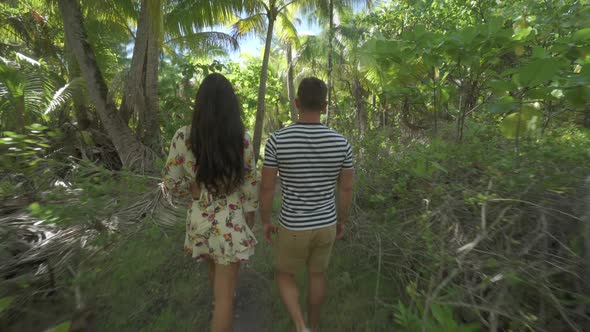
[
  {"x": 578, "y": 96},
  {"x": 35, "y": 208},
  {"x": 439, "y": 167},
  {"x": 504, "y": 104},
  {"x": 582, "y": 35},
  {"x": 557, "y": 93},
  {"x": 520, "y": 123},
  {"x": 538, "y": 71},
  {"x": 522, "y": 33},
  {"x": 5, "y": 303},
  {"x": 501, "y": 86},
  {"x": 63, "y": 327},
  {"x": 540, "y": 53}
]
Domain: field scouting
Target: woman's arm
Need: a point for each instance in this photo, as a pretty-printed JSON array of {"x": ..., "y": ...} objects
[
  {"x": 250, "y": 187},
  {"x": 176, "y": 180}
]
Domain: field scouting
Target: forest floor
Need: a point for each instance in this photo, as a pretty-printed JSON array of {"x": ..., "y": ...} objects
[{"x": 147, "y": 283}]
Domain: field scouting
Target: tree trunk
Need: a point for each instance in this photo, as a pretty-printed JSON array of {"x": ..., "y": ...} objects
[
  {"x": 262, "y": 88},
  {"x": 330, "y": 60},
  {"x": 20, "y": 114},
  {"x": 359, "y": 105},
  {"x": 141, "y": 87},
  {"x": 290, "y": 85},
  {"x": 132, "y": 153},
  {"x": 80, "y": 105}
]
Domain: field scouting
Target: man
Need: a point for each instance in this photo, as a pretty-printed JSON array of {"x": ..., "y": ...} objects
[{"x": 311, "y": 159}]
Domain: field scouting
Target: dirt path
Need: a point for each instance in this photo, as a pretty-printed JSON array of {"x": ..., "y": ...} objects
[{"x": 252, "y": 307}]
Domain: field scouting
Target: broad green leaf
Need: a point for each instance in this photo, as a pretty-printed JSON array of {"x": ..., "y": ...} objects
[
  {"x": 538, "y": 71},
  {"x": 520, "y": 123},
  {"x": 522, "y": 33},
  {"x": 540, "y": 53},
  {"x": 5, "y": 303},
  {"x": 578, "y": 96},
  {"x": 504, "y": 104},
  {"x": 468, "y": 35},
  {"x": 582, "y": 35},
  {"x": 501, "y": 86},
  {"x": 63, "y": 327}
]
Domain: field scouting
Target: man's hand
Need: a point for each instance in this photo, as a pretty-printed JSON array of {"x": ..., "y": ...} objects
[
  {"x": 251, "y": 220},
  {"x": 340, "y": 228},
  {"x": 269, "y": 230}
]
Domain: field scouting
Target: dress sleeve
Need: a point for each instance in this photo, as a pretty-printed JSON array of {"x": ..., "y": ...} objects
[
  {"x": 250, "y": 186},
  {"x": 176, "y": 180}
]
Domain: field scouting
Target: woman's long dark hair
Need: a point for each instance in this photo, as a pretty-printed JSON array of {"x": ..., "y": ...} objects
[{"x": 217, "y": 136}]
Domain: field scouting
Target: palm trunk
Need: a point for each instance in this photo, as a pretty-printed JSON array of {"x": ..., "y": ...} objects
[
  {"x": 290, "y": 85},
  {"x": 80, "y": 105},
  {"x": 330, "y": 61},
  {"x": 262, "y": 88},
  {"x": 141, "y": 88},
  {"x": 132, "y": 153},
  {"x": 20, "y": 114},
  {"x": 150, "y": 115},
  {"x": 359, "y": 104}
]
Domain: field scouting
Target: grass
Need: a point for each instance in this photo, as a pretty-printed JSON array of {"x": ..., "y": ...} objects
[{"x": 146, "y": 283}]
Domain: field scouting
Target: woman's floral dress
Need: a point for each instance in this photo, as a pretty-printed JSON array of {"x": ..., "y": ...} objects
[{"x": 215, "y": 225}]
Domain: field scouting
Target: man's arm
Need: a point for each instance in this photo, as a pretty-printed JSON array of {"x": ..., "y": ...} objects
[
  {"x": 345, "y": 183},
  {"x": 267, "y": 189}
]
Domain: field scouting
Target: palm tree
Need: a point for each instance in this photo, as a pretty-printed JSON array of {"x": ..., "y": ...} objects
[
  {"x": 264, "y": 15},
  {"x": 27, "y": 92},
  {"x": 349, "y": 38},
  {"x": 174, "y": 21},
  {"x": 326, "y": 9}
]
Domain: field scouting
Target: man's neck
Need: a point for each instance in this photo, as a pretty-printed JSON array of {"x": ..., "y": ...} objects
[{"x": 309, "y": 117}]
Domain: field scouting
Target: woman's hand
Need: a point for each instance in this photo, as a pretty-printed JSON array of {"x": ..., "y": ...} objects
[{"x": 195, "y": 191}]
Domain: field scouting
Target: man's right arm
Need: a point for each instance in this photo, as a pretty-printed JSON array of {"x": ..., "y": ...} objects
[{"x": 345, "y": 184}]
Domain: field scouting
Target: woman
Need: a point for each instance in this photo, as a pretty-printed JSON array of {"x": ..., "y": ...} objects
[{"x": 212, "y": 161}]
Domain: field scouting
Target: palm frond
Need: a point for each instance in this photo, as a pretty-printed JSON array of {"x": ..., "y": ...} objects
[
  {"x": 256, "y": 23},
  {"x": 37, "y": 89},
  {"x": 287, "y": 31},
  {"x": 185, "y": 17},
  {"x": 65, "y": 94},
  {"x": 205, "y": 40},
  {"x": 21, "y": 57}
]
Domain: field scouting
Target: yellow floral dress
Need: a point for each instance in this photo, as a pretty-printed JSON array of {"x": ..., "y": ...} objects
[{"x": 215, "y": 225}]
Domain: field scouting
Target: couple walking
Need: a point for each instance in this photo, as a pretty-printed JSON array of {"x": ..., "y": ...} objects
[{"x": 212, "y": 161}]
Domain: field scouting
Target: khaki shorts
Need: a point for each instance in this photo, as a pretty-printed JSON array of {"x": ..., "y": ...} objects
[{"x": 294, "y": 250}]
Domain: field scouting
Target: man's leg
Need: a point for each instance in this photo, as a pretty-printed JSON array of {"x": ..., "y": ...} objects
[
  {"x": 290, "y": 296},
  {"x": 322, "y": 241},
  {"x": 224, "y": 287},
  {"x": 291, "y": 253},
  {"x": 315, "y": 297}
]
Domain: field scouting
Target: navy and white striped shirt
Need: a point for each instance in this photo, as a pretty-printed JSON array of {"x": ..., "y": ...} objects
[{"x": 309, "y": 157}]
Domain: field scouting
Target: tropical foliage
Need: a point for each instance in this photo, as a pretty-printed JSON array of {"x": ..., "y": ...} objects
[{"x": 470, "y": 126}]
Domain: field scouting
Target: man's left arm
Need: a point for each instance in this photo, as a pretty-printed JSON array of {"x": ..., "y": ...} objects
[{"x": 267, "y": 190}]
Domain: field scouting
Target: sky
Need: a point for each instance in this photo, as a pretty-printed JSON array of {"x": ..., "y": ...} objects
[{"x": 253, "y": 45}]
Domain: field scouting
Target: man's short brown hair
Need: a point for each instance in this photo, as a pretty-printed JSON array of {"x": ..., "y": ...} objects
[{"x": 312, "y": 93}]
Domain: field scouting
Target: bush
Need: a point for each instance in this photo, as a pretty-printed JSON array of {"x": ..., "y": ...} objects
[{"x": 486, "y": 229}]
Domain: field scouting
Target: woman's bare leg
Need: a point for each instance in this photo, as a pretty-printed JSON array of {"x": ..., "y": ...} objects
[
  {"x": 223, "y": 289},
  {"x": 211, "y": 272}
]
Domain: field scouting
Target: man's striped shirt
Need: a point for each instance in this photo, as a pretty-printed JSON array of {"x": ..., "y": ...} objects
[{"x": 309, "y": 157}]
